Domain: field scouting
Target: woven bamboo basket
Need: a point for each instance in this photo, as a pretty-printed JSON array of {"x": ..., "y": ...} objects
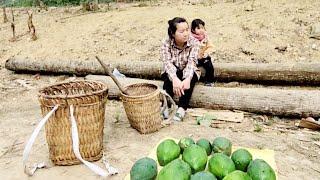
[
  {"x": 143, "y": 107},
  {"x": 88, "y": 99}
]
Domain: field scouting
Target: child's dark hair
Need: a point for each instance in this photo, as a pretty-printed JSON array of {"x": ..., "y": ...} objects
[
  {"x": 173, "y": 25},
  {"x": 196, "y": 23}
]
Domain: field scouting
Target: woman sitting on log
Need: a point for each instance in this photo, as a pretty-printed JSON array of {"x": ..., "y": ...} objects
[{"x": 179, "y": 53}]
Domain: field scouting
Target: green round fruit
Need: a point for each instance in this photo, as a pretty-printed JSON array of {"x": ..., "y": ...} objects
[
  {"x": 258, "y": 169},
  {"x": 144, "y": 169},
  {"x": 196, "y": 157},
  {"x": 222, "y": 145},
  {"x": 237, "y": 175},
  {"x": 185, "y": 142},
  {"x": 221, "y": 165},
  {"x": 204, "y": 143},
  {"x": 203, "y": 176},
  {"x": 167, "y": 151},
  {"x": 175, "y": 170},
  {"x": 241, "y": 159}
]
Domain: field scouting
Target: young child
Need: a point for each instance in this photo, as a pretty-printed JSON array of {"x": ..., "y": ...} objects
[{"x": 198, "y": 31}]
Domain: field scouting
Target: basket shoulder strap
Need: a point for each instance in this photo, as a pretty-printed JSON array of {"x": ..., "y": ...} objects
[
  {"x": 33, "y": 137},
  {"x": 173, "y": 104},
  {"x": 75, "y": 147}
]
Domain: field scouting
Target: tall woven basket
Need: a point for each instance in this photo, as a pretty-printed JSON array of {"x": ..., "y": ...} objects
[
  {"x": 88, "y": 99},
  {"x": 143, "y": 107}
]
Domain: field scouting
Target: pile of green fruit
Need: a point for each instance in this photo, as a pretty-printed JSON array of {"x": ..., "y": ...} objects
[{"x": 201, "y": 160}]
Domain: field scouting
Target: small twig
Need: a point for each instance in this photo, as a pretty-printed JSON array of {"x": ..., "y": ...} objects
[
  {"x": 286, "y": 127},
  {"x": 21, "y": 35},
  {"x": 13, "y": 32},
  {"x": 29, "y": 21},
  {"x": 244, "y": 112},
  {"x": 32, "y": 29},
  {"x": 6, "y": 87},
  {"x": 9, "y": 149},
  {"x": 315, "y": 169},
  {"x": 13, "y": 27},
  {"x": 12, "y": 15},
  {"x": 68, "y": 17},
  {"x": 304, "y": 140},
  {"x": 117, "y": 148},
  {"x": 293, "y": 131},
  {"x": 303, "y": 147},
  {"x": 5, "y": 18}
]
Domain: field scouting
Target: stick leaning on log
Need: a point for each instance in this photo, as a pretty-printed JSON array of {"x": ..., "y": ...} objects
[{"x": 108, "y": 71}]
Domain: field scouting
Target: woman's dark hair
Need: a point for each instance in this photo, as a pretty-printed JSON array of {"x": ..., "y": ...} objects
[
  {"x": 196, "y": 23},
  {"x": 173, "y": 25}
]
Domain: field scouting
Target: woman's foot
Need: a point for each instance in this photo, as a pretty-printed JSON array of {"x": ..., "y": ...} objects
[
  {"x": 165, "y": 112},
  {"x": 179, "y": 114},
  {"x": 210, "y": 84}
]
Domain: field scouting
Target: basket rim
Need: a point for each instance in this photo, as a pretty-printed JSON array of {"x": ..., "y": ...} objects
[
  {"x": 140, "y": 96},
  {"x": 42, "y": 95}
]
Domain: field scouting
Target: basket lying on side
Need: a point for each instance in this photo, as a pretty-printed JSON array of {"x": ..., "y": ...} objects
[
  {"x": 88, "y": 99},
  {"x": 142, "y": 107}
]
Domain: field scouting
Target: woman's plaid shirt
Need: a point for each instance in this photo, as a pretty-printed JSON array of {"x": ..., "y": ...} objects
[{"x": 183, "y": 59}]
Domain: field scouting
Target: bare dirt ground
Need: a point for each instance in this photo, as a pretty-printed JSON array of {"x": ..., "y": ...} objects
[{"x": 135, "y": 33}]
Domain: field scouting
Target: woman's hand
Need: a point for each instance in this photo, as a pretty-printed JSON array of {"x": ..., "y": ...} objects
[
  {"x": 177, "y": 87},
  {"x": 200, "y": 55},
  {"x": 186, "y": 84}
]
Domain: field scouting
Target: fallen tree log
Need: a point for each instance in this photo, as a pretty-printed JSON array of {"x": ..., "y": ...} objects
[
  {"x": 294, "y": 73},
  {"x": 279, "y": 102},
  {"x": 84, "y": 67}
]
